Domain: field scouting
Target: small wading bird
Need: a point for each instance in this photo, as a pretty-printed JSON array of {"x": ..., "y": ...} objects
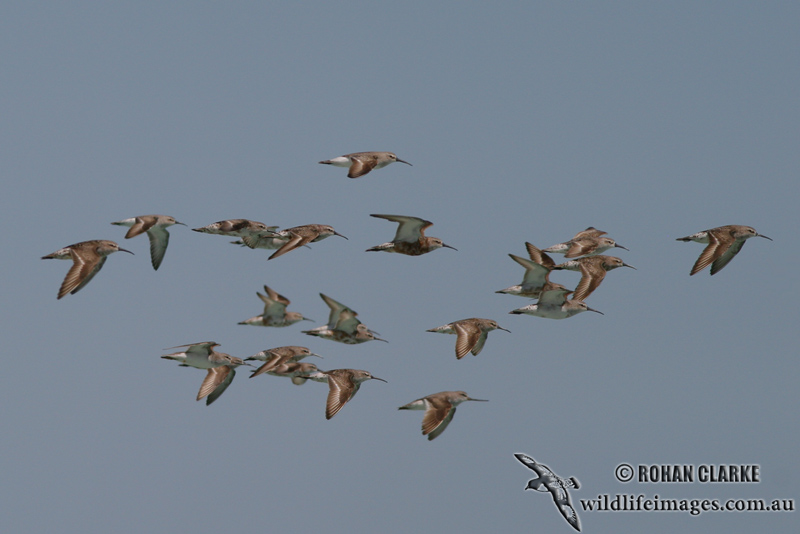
[
  {"x": 585, "y": 243},
  {"x": 472, "y": 334},
  {"x": 553, "y": 304},
  {"x": 278, "y": 357},
  {"x": 221, "y": 367},
  {"x": 275, "y": 313},
  {"x": 267, "y": 242},
  {"x": 156, "y": 228},
  {"x": 343, "y": 325},
  {"x": 724, "y": 243},
  {"x": 593, "y": 269},
  {"x": 302, "y": 235},
  {"x": 360, "y": 163},
  {"x": 252, "y": 233},
  {"x": 439, "y": 410},
  {"x": 337, "y": 309},
  {"x": 298, "y": 372},
  {"x": 546, "y": 480},
  {"x": 537, "y": 273},
  {"x": 348, "y": 330},
  {"x": 343, "y": 385},
  {"x": 87, "y": 258},
  {"x": 410, "y": 238}
]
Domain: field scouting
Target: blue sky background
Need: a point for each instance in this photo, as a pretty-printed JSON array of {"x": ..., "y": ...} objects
[{"x": 523, "y": 122}]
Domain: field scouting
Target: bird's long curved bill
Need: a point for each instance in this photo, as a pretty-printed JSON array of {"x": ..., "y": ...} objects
[
  {"x": 125, "y": 250},
  {"x": 403, "y": 161},
  {"x": 340, "y": 235}
]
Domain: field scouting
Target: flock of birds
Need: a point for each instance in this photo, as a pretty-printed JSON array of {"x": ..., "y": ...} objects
[{"x": 583, "y": 253}]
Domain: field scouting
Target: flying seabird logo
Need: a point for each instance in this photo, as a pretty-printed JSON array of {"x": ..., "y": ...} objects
[{"x": 546, "y": 480}]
